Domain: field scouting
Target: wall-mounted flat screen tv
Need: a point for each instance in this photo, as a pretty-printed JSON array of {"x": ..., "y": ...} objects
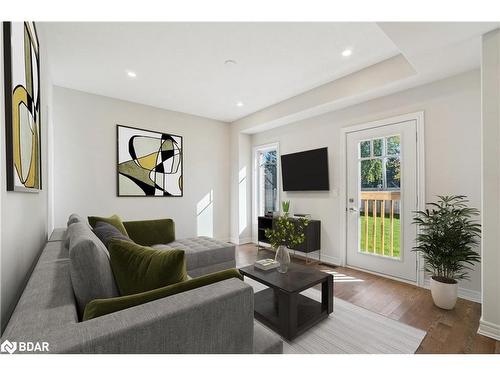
[{"x": 307, "y": 170}]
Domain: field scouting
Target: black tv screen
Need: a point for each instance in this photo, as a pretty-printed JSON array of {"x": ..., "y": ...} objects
[{"x": 307, "y": 170}]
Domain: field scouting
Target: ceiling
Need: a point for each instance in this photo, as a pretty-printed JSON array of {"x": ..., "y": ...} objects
[
  {"x": 430, "y": 51},
  {"x": 181, "y": 66}
]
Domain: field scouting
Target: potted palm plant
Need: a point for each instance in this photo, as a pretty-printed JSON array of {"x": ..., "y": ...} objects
[
  {"x": 284, "y": 234},
  {"x": 448, "y": 236}
]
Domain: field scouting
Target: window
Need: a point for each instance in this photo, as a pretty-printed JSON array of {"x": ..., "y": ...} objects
[
  {"x": 380, "y": 163},
  {"x": 267, "y": 179},
  {"x": 380, "y": 198}
]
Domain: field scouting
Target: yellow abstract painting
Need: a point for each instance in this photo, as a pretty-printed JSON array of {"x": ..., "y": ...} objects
[{"x": 22, "y": 99}]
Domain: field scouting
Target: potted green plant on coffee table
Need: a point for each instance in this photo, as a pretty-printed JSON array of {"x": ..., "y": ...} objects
[
  {"x": 284, "y": 234},
  {"x": 448, "y": 237}
]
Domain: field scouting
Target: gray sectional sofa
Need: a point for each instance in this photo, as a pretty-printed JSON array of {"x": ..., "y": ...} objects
[
  {"x": 216, "y": 318},
  {"x": 203, "y": 254}
]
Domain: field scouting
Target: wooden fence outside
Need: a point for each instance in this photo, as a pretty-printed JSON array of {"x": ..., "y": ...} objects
[{"x": 384, "y": 197}]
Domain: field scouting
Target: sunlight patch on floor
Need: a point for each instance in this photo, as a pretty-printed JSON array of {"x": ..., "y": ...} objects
[{"x": 341, "y": 278}]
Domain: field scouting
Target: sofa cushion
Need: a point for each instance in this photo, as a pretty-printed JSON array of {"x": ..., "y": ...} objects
[
  {"x": 201, "y": 251},
  {"x": 114, "y": 220},
  {"x": 75, "y": 218},
  {"x": 46, "y": 304},
  {"x": 101, "y": 307},
  {"x": 54, "y": 250},
  {"x": 65, "y": 241},
  {"x": 151, "y": 232},
  {"x": 200, "y": 271},
  {"x": 90, "y": 270},
  {"x": 106, "y": 232},
  {"x": 139, "y": 268}
]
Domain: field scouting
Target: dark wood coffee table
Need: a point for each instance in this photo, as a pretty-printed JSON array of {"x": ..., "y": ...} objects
[{"x": 281, "y": 307}]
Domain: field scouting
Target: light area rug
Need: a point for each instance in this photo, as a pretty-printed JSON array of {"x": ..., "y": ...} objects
[{"x": 352, "y": 330}]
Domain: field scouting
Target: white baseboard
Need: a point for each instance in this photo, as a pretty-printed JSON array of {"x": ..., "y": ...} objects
[
  {"x": 327, "y": 259},
  {"x": 241, "y": 241},
  {"x": 324, "y": 258},
  {"x": 244, "y": 240},
  {"x": 489, "y": 329},
  {"x": 471, "y": 295},
  {"x": 331, "y": 260},
  {"x": 468, "y": 294}
]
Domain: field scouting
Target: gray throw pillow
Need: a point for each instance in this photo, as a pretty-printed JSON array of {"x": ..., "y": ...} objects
[
  {"x": 74, "y": 218},
  {"x": 106, "y": 232},
  {"x": 90, "y": 270}
]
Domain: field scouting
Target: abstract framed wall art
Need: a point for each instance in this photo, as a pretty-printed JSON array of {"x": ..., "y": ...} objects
[
  {"x": 149, "y": 163},
  {"x": 22, "y": 106}
]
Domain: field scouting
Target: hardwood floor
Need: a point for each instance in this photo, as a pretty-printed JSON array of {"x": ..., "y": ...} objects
[{"x": 452, "y": 331}]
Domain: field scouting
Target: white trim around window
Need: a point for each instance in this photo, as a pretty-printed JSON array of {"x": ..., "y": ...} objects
[{"x": 255, "y": 178}]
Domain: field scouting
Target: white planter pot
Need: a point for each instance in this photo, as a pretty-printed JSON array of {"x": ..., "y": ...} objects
[{"x": 444, "y": 295}]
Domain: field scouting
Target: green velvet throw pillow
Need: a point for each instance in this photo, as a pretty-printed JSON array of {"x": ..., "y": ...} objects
[
  {"x": 99, "y": 307},
  {"x": 113, "y": 220},
  {"x": 151, "y": 232},
  {"x": 138, "y": 268}
]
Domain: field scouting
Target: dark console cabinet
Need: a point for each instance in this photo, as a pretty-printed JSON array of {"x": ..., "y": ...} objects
[
  {"x": 263, "y": 223},
  {"x": 312, "y": 234}
]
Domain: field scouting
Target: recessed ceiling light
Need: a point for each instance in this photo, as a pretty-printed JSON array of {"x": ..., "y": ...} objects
[
  {"x": 131, "y": 74},
  {"x": 239, "y": 104},
  {"x": 347, "y": 52}
]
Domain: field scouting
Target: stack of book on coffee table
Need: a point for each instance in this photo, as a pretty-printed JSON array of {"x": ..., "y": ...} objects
[{"x": 266, "y": 264}]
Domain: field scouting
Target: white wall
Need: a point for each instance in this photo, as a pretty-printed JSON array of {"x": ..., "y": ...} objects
[
  {"x": 23, "y": 218},
  {"x": 245, "y": 177},
  {"x": 452, "y": 150},
  {"x": 240, "y": 165},
  {"x": 86, "y": 171},
  {"x": 490, "y": 319}
]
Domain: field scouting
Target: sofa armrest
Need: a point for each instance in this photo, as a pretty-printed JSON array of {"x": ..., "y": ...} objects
[
  {"x": 216, "y": 318},
  {"x": 151, "y": 232}
]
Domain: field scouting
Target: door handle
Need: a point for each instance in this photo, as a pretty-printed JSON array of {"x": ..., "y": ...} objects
[{"x": 353, "y": 209}]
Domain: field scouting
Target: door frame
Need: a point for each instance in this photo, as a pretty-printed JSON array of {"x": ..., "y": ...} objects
[
  {"x": 255, "y": 182},
  {"x": 414, "y": 116}
]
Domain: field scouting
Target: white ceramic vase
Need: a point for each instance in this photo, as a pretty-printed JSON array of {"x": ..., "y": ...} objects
[{"x": 444, "y": 295}]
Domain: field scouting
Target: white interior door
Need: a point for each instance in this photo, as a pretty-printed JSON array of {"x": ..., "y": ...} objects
[{"x": 381, "y": 197}]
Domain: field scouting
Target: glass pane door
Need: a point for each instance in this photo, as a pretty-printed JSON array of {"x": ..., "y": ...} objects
[
  {"x": 380, "y": 196},
  {"x": 267, "y": 174}
]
